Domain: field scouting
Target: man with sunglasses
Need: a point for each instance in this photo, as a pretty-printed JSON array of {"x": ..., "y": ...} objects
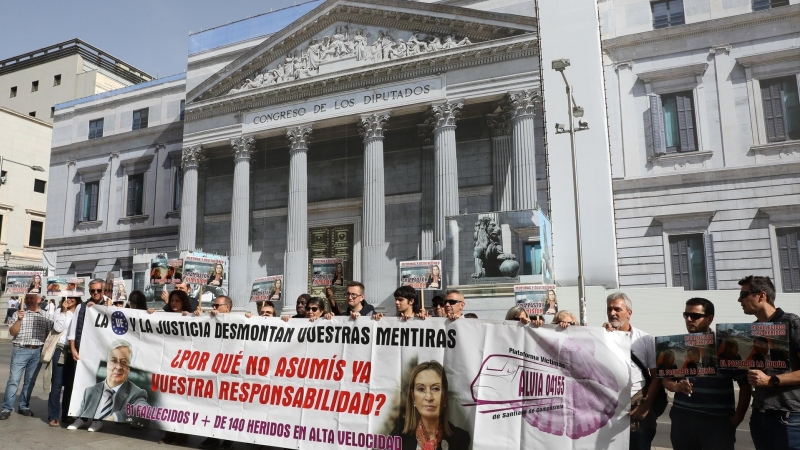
[
  {"x": 775, "y": 420},
  {"x": 438, "y": 306},
  {"x": 453, "y": 304},
  {"x": 703, "y": 412}
]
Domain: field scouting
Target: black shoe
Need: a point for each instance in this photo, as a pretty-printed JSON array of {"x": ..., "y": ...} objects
[
  {"x": 226, "y": 445},
  {"x": 209, "y": 443},
  {"x": 4, "y": 415},
  {"x": 26, "y": 412}
]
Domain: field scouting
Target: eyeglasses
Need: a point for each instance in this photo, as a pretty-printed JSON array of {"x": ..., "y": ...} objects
[
  {"x": 313, "y": 309},
  {"x": 745, "y": 294},
  {"x": 352, "y": 295},
  {"x": 217, "y": 305},
  {"x": 452, "y": 302},
  {"x": 694, "y": 316},
  {"x": 96, "y": 291}
]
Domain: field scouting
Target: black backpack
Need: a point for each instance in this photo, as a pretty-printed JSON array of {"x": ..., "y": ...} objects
[{"x": 661, "y": 401}]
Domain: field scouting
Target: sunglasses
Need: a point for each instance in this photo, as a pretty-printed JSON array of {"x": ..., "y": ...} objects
[
  {"x": 313, "y": 309},
  {"x": 217, "y": 305},
  {"x": 96, "y": 291},
  {"x": 452, "y": 302},
  {"x": 745, "y": 294},
  {"x": 694, "y": 316}
]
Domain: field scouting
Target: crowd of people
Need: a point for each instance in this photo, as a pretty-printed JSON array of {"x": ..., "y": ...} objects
[{"x": 705, "y": 411}]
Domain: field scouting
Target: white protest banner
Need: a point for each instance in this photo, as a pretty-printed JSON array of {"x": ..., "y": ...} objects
[
  {"x": 24, "y": 282},
  {"x": 422, "y": 274},
  {"x": 361, "y": 383}
]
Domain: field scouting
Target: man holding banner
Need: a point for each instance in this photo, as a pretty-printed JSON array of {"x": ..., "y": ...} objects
[{"x": 775, "y": 421}]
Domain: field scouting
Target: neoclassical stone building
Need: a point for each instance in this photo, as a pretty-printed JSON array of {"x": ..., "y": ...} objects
[{"x": 353, "y": 132}]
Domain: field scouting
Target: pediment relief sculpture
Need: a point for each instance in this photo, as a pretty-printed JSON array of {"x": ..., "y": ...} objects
[{"x": 358, "y": 47}]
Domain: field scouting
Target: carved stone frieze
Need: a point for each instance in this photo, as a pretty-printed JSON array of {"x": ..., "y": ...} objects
[
  {"x": 298, "y": 137},
  {"x": 243, "y": 147},
  {"x": 373, "y": 125}
]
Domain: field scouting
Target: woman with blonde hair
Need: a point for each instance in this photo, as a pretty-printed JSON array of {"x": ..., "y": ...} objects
[
  {"x": 426, "y": 426},
  {"x": 565, "y": 319}
]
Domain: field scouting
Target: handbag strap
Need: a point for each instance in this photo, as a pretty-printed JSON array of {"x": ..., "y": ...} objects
[{"x": 645, "y": 372}]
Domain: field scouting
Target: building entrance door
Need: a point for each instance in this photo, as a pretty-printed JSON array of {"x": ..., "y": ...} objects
[{"x": 331, "y": 242}]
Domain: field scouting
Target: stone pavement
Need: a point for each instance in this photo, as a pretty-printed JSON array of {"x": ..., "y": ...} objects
[{"x": 19, "y": 432}]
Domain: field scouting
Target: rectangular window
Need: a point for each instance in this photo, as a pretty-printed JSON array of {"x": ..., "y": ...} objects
[
  {"x": 140, "y": 119},
  {"x": 1, "y": 226},
  {"x": 13, "y": 92},
  {"x": 781, "y": 108},
  {"x": 52, "y": 111},
  {"x": 89, "y": 196},
  {"x": 95, "y": 129},
  {"x": 679, "y": 122},
  {"x": 35, "y": 236},
  {"x": 34, "y": 86},
  {"x": 667, "y": 13},
  {"x": 789, "y": 255},
  {"x": 135, "y": 195},
  {"x": 57, "y": 80},
  {"x": 177, "y": 189},
  {"x": 759, "y": 5},
  {"x": 39, "y": 185},
  {"x": 532, "y": 258},
  {"x": 688, "y": 261},
  {"x": 183, "y": 108}
]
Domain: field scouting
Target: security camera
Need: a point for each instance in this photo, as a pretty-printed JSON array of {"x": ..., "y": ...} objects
[
  {"x": 560, "y": 64},
  {"x": 560, "y": 128},
  {"x": 583, "y": 125}
]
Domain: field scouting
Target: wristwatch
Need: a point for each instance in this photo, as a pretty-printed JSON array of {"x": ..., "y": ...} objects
[{"x": 774, "y": 380}]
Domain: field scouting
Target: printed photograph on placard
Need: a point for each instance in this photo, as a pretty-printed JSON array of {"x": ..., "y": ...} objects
[
  {"x": 267, "y": 288},
  {"x": 763, "y": 346},
  {"x": 65, "y": 286},
  {"x": 166, "y": 271},
  {"x": 24, "y": 282},
  {"x": 327, "y": 272},
  {"x": 120, "y": 291},
  {"x": 422, "y": 274},
  {"x": 686, "y": 355},
  {"x": 537, "y": 299},
  {"x": 205, "y": 269}
]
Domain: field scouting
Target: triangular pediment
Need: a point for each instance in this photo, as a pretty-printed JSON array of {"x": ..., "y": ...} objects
[{"x": 350, "y": 35}]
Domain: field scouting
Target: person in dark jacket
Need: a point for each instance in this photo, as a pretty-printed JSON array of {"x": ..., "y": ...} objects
[{"x": 426, "y": 426}]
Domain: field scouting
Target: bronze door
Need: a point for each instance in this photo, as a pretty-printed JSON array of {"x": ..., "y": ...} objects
[{"x": 331, "y": 242}]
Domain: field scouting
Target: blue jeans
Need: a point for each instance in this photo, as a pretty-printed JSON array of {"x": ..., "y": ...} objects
[
  {"x": 775, "y": 430},
  {"x": 22, "y": 360},
  {"x": 56, "y": 382}
]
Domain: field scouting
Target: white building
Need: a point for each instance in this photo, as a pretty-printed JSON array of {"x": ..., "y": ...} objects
[
  {"x": 115, "y": 177},
  {"x": 704, "y": 122}
]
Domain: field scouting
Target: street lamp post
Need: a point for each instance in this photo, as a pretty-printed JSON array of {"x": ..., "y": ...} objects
[
  {"x": 4, "y": 160},
  {"x": 574, "y": 111}
]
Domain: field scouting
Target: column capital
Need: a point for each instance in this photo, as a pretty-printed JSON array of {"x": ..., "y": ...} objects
[
  {"x": 243, "y": 147},
  {"x": 192, "y": 157},
  {"x": 523, "y": 103},
  {"x": 299, "y": 137},
  {"x": 424, "y": 135},
  {"x": 372, "y": 126},
  {"x": 499, "y": 124},
  {"x": 445, "y": 114}
]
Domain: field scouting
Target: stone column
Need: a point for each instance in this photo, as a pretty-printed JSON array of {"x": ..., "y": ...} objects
[
  {"x": 239, "y": 282},
  {"x": 191, "y": 159},
  {"x": 373, "y": 216},
  {"x": 723, "y": 66},
  {"x": 523, "y": 148},
  {"x": 426, "y": 203},
  {"x": 445, "y": 176},
  {"x": 295, "y": 273},
  {"x": 502, "y": 180}
]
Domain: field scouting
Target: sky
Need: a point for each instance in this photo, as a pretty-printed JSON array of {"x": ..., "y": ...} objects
[{"x": 152, "y": 35}]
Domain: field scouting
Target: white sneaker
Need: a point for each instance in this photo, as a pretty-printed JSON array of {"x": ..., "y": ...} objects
[
  {"x": 97, "y": 425},
  {"x": 78, "y": 424}
]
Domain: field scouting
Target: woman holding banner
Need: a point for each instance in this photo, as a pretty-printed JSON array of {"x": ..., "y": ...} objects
[
  {"x": 216, "y": 276},
  {"x": 426, "y": 426},
  {"x": 435, "y": 278},
  {"x": 36, "y": 285}
]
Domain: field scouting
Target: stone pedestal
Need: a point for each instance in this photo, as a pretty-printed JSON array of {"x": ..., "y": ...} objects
[
  {"x": 191, "y": 159},
  {"x": 445, "y": 171},
  {"x": 239, "y": 282},
  {"x": 295, "y": 274},
  {"x": 524, "y": 149},
  {"x": 373, "y": 239}
]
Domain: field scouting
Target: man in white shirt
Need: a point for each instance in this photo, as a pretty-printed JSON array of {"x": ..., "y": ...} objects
[{"x": 619, "y": 309}]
